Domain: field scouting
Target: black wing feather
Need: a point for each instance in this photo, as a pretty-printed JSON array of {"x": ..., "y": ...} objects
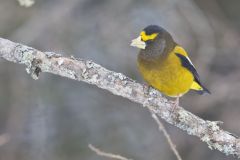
[{"x": 187, "y": 64}]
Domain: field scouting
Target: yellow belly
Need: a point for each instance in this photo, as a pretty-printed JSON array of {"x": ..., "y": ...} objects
[{"x": 168, "y": 76}]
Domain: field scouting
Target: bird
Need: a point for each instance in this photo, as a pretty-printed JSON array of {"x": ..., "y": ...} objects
[{"x": 165, "y": 65}]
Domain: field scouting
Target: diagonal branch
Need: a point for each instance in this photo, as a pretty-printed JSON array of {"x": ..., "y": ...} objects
[
  {"x": 118, "y": 84},
  {"x": 167, "y": 136},
  {"x": 105, "y": 154}
]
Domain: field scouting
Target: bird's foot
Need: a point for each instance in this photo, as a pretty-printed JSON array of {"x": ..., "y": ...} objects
[
  {"x": 146, "y": 89},
  {"x": 175, "y": 104}
]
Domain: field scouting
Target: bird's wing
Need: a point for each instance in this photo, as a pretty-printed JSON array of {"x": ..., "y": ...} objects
[
  {"x": 197, "y": 85},
  {"x": 186, "y": 62}
]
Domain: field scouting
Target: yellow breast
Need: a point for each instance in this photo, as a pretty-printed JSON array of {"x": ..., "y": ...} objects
[{"x": 168, "y": 75}]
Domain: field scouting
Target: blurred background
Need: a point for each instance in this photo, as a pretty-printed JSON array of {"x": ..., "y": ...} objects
[{"x": 55, "y": 118}]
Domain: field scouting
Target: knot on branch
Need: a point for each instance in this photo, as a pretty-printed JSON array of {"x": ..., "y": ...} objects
[
  {"x": 27, "y": 55},
  {"x": 34, "y": 69}
]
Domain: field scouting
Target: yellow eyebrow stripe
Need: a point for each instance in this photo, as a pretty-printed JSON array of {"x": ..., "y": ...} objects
[{"x": 148, "y": 37}]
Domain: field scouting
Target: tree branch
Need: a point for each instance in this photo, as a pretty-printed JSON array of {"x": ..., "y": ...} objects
[
  {"x": 167, "y": 136},
  {"x": 118, "y": 84},
  {"x": 105, "y": 154}
]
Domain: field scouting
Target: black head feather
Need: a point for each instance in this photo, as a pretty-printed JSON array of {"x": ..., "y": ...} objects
[{"x": 153, "y": 29}]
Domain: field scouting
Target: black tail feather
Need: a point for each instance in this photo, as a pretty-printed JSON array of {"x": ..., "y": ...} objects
[{"x": 205, "y": 90}]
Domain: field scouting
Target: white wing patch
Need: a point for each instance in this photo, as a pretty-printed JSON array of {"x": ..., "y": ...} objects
[{"x": 190, "y": 61}]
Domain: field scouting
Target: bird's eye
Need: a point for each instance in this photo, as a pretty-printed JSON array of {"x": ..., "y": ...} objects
[{"x": 148, "y": 42}]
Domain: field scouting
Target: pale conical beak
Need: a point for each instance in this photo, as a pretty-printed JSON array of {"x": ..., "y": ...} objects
[{"x": 138, "y": 43}]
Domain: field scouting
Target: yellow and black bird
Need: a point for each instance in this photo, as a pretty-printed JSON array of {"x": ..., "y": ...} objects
[{"x": 165, "y": 65}]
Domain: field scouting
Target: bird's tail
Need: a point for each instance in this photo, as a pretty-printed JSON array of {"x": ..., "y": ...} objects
[{"x": 199, "y": 88}]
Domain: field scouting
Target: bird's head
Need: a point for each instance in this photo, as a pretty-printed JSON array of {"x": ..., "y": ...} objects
[{"x": 153, "y": 39}]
